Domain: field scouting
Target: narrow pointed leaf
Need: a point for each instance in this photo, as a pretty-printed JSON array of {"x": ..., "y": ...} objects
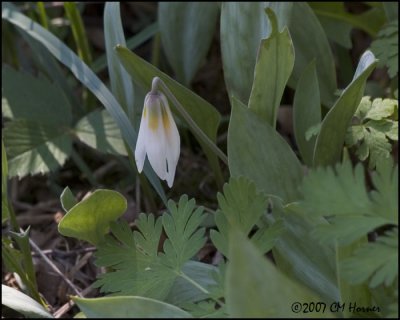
[
  {"x": 121, "y": 83},
  {"x": 22, "y": 303},
  {"x": 274, "y": 65},
  {"x": 4, "y": 178},
  {"x": 330, "y": 140},
  {"x": 306, "y": 111}
]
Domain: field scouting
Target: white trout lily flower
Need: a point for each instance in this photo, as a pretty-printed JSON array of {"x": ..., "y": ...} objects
[{"x": 158, "y": 137}]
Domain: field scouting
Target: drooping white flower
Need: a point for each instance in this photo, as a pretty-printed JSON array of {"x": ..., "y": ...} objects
[{"x": 158, "y": 137}]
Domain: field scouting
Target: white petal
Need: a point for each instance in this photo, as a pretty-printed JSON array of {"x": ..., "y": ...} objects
[
  {"x": 173, "y": 146},
  {"x": 140, "y": 150},
  {"x": 156, "y": 145}
]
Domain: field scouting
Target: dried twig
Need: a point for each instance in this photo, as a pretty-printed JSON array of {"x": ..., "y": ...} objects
[{"x": 54, "y": 267}]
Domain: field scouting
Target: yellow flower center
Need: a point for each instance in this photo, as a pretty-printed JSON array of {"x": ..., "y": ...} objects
[{"x": 153, "y": 118}]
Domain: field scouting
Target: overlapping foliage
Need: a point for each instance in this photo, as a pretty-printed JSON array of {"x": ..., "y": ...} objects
[{"x": 328, "y": 220}]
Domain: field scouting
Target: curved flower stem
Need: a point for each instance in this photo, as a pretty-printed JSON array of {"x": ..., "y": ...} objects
[{"x": 158, "y": 83}]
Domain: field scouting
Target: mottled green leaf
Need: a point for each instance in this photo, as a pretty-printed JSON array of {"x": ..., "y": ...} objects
[
  {"x": 34, "y": 147},
  {"x": 310, "y": 42},
  {"x": 244, "y": 23},
  {"x": 99, "y": 130},
  {"x": 35, "y": 99},
  {"x": 187, "y": 29},
  {"x": 85, "y": 75}
]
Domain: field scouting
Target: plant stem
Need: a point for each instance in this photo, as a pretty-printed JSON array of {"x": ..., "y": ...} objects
[
  {"x": 81, "y": 164},
  {"x": 42, "y": 15},
  {"x": 200, "y": 287},
  {"x": 157, "y": 82}
]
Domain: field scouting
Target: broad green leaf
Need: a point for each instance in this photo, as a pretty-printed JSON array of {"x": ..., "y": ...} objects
[
  {"x": 301, "y": 257},
  {"x": 34, "y": 147},
  {"x": 4, "y": 178},
  {"x": 310, "y": 42},
  {"x": 244, "y": 23},
  {"x": 386, "y": 47},
  {"x": 186, "y": 30},
  {"x": 34, "y": 139},
  {"x": 306, "y": 112},
  {"x": 67, "y": 199},
  {"x": 274, "y": 65},
  {"x": 255, "y": 288},
  {"x": 370, "y": 21},
  {"x": 203, "y": 113},
  {"x": 121, "y": 83},
  {"x": 85, "y": 75},
  {"x": 22, "y": 303},
  {"x": 376, "y": 262},
  {"x": 99, "y": 130},
  {"x": 183, "y": 292},
  {"x": 336, "y": 30},
  {"x": 331, "y": 137},
  {"x": 258, "y": 152},
  {"x": 181, "y": 226},
  {"x": 48, "y": 64},
  {"x": 35, "y": 99},
  {"x": 128, "y": 307},
  {"x": 90, "y": 219}
]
